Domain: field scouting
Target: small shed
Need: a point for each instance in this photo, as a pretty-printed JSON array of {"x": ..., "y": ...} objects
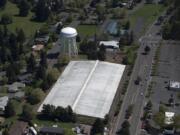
[{"x": 110, "y": 44}]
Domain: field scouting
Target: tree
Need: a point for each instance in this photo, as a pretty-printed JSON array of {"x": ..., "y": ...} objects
[
  {"x": 63, "y": 60},
  {"x": 124, "y": 128},
  {"x": 48, "y": 111},
  {"x": 171, "y": 100},
  {"x": 3, "y": 3},
  {"x": 6, "y": 19},
  {"x": 5, "y": 132},
  {"x": 97, "y": 127},
  {"x": 106, "y": 119},
  {"x": 147, "y": 49},
  {"x": 42, "y": 11},
  {"x": 24, "y": 8},
  {"x": 41, "y": 73},
  {"x": 127, "y": 25},
  {"x": 10, "y": 109},
  {"x": 10, "y": 73},
  {"x": 27, "y": 112},
  {"x": 176, "y": 120},
  {"x": 102, "y": 53},
  {"x": 149, "y": 1},
  {"x": 21, "y": 36},
  {"x": 52, "y": 75},
  {"x": 31, "y": 64},
  {"x": 125, "y": 60},
  {"x": 149, "y": 105},
  {"x": 34, "y": 96},
  {"x": 159, "y": 118},
  {"x": 43, "y": 59}
]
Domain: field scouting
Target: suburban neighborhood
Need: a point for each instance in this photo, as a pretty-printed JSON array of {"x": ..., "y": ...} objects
[{"x": 89, "y": 67}]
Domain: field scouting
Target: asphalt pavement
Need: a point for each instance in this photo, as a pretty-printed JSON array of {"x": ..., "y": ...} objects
[{"x": 136, "y": 93}]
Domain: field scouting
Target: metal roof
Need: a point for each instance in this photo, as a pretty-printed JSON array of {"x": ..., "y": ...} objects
[
  {"x": 68, "y": 32},
  {"x": 88, "y": 87}
]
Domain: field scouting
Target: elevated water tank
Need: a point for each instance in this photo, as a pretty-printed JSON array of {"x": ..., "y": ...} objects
[{"x": 68, "y": 42}]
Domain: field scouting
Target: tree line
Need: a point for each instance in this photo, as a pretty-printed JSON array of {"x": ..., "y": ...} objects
[
  {"x": 51, "y": 112},
  {"x": 171, "y": 30}
]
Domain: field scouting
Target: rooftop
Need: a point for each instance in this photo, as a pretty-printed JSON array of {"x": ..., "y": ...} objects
[
  {"x": 174, "y": 84},
  {"x": 3, "y": 102},
  {"x": 169, "y": 117},
  {"x": 88, "y": 87},
  {"x": 52, "y": 130},
  {"x": 68, "y": 32},
  {"x": 114, "y": 44}
]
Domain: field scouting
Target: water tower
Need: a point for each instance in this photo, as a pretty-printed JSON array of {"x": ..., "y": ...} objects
[{"x": 68, "y": 42}]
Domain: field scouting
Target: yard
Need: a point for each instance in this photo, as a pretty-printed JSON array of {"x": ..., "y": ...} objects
[
  {"x": 66, "y": 126},
  {"x": 28, "y": 26},
  {"x": 87, "y": 30}
]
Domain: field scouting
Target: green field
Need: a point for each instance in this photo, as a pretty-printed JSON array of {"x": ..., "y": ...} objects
[
  {"x": 87, "y": 30},
  {"x": 148, "y": 12},
  {"x": 130, "y": 51},
  {"x": 28, "y": 26}
]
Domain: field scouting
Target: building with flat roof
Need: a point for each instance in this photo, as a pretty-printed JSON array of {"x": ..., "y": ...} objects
[
  {"x": 174, "y": 85},
  {"x": 88, "y": 87},
  {"x": 169, "y": 117}
]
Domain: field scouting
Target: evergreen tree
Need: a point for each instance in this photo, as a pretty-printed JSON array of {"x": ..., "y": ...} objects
[
  {"x": 10, "y": 73},
  {"x": 21, "y": 36},
  {"x": 102, "y": 53},
  {"x": 24, "y": 8},
  {"x": 34, "y": 96},
  {"x": 98, "y": 127},
  {"x": 41, "y": 73},
  {"x": 27, "y": 112},
  {"x": 6, "y": 19},
  {"x": 10, "y": 109},
  {"x": 124, "y": 128},
  {"x": 42, "y": 11},
  {"x": 48, "y": 111},
  {"x": 5, "y": 132},
  {"x": 3, "y": 3},
  {"x": 43, "y": 61},
  {"x": 31, "y": 64}
]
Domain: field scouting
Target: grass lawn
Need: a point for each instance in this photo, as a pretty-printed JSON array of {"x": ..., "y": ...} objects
[
  {"x": 66, "y": 126},
  {"x": 28, "y": 26},
  {"x": 148, "y": 12},
  {"x": 87, "y": 30},
  {"x": 130, "y": 51}
]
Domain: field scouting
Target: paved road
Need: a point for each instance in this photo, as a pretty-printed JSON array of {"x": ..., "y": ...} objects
[{"x": 136, "y": 93}]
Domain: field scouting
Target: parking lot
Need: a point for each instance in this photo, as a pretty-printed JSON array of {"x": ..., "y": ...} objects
[{"x": 168, "y": 70}]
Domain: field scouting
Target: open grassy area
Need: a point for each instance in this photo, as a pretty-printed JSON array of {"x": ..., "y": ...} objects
[
  {"x": 87, "y": 30},
  {"x": 130, "y": 51},
  {"x": 148, "y": 12},
  {"x": 28, "y": 26}
]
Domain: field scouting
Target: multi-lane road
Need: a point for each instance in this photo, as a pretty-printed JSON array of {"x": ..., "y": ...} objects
[{"x": 136, "y": 93}]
